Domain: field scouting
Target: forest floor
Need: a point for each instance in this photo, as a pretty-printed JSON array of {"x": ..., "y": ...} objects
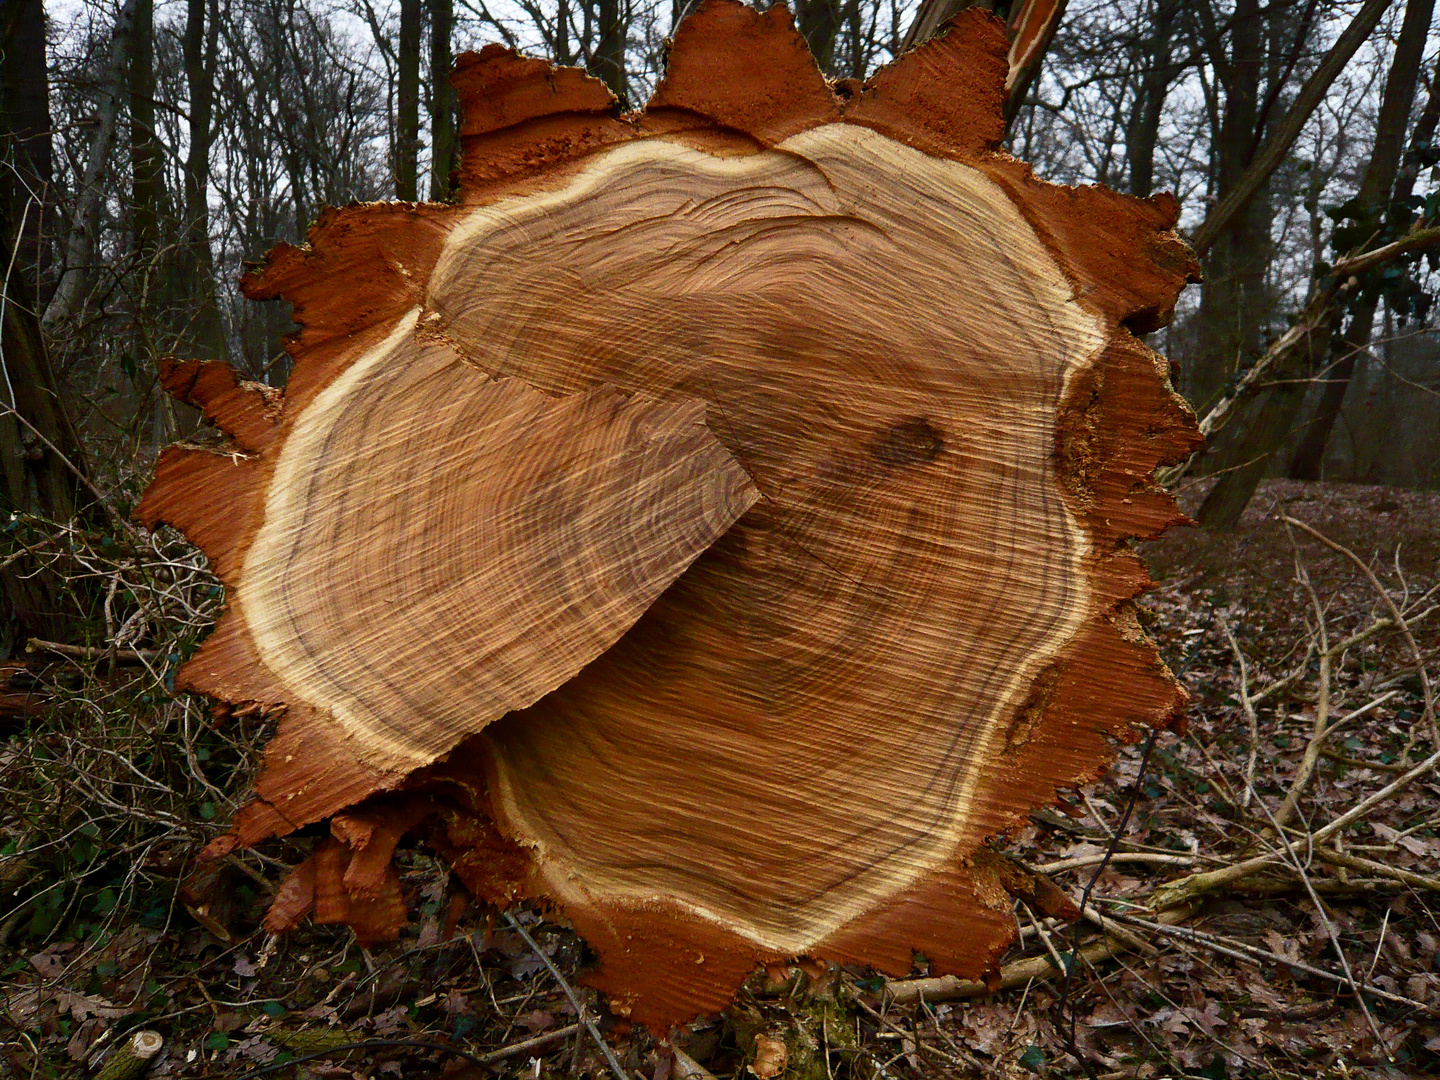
[{"x": 1224, "y": 952}]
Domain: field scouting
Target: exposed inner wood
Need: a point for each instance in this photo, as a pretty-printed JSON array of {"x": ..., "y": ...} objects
[
  {"x": 440, "y": 548},
  {"x": 754, "y": 473},
  {"x": 808, "y": 711}
]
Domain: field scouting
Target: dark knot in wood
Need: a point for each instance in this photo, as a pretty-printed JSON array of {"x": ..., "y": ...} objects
[{"x": 912, "y": 441}]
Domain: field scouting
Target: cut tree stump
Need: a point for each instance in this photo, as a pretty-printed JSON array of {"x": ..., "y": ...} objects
[{"x": 714, "y": 526}]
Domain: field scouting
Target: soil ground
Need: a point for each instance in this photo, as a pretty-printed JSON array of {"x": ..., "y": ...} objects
[{"x": 111, "y": 789}]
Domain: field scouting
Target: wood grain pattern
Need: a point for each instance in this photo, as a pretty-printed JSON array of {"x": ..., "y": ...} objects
[
  {"x": 903, "y": 447},
  {"x": 486, "y": 540},
  {"x": 716, "y": 524},
  {"x": 437, "y": 548}
]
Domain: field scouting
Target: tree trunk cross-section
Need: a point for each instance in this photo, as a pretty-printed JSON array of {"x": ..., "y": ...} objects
[{"x": 715, "y": 525}]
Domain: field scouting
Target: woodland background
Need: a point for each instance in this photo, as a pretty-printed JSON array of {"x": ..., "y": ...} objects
[{"x": 152, "y": 150}]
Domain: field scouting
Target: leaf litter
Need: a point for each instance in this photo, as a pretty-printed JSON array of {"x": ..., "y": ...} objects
[{"x": 1249, "y": 983}]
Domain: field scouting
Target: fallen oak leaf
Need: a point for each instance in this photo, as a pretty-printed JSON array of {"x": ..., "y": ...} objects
[
  {"x": 770, "y": 1057},
  {"x": 537, "y": 1020}
]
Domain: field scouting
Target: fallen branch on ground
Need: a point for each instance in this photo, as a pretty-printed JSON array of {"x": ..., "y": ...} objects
[
  {"x": 949, "y": 988},
  {"x": 1187, "y": 890},
  {"x": 89, "y": 652}
]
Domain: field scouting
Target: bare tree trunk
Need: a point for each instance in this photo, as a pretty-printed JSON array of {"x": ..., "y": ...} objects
[
  {"x": 146, "y": 182},
  {"x": 153, "y": 278},
  {"x": 40, "y": 457},
  {"x": 1288, "y": 129},
  {"x": 25, "y": 119},
  {"x": 1421, "y": 140},
  {"x": 609, "y": 56},
  {"x": 1275, "y": 415},
  {"x": 1375, "y": 192},
  {"x": 407, "y": 109},
  {"x": 857, "y": 39},
  {"x": 819, "y": 22},
  {"x": 85, "y": 217},
  {"x": 35, "y": 431},
  {"x": 931, "y": 15},
  {"x": 1232, "y": 301},
  {"x": 561, "y": 45},
  {"x": 201, "y": 48},
  {"x": 37, "y": 478},
  {"x": 36, "y": 435},
  {"x": 1143, "y": 132},
  {"x": 442, "y": 97},
  {"x": 1032, "y": 25}
]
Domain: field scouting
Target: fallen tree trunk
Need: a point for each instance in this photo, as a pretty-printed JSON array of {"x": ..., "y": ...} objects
[{"x": 714, "y": 525}]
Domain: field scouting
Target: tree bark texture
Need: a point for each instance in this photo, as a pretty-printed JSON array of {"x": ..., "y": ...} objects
[
  {"x": 407, "y": 103},
  {"x": 1143, "y": 132},
  {"x": 200, "y": 49},
  {"x": 442, "y": 100},
  {"x": 35, "y": 430},
  {"x": 70, "y": 292},
  {"x": 25, "y": 137},
  {"x": 146, "y": 181},
  {"x": 609, "y": 58},
  {"x": 1377, "y": 194},
  {"x": 1032, "y": 26},
  {"x": 715, "y": 524},
  {"x": 1233, "y": 297},
  {"x": 819, "y": 22}
]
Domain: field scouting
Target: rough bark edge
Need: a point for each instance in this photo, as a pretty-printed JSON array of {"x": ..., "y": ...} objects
[
  {"x": 945, "y": 97},
  {"x": 745, "y": 70},
  {"x": 247, "y": 411},
  {"x": 217, "y": 500}
]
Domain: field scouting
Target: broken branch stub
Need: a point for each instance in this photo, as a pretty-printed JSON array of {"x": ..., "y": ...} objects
[{"x": 714, "y": 525}]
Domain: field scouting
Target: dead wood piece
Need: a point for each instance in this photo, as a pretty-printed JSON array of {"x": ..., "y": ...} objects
[
  {"x": 1187, "y": 890},
  {"x": 687, "y": 1068},
  {"x": 1240, "y": 950},
  {"x": 715, "y": 524},
  {"x": 1361, "y": 763},
  {"x": 1370, "y": 866},
  {"x": 529, "y": 1046},
  {"x": 92, "y": 652},
  {"x": 131, "y": 1057},
  {"x": 1019, "y": 973}
]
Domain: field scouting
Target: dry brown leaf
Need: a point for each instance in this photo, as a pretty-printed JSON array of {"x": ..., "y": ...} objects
[
  {"x": 85, "y": 1037},
  {"x": 391, "y": 1020},
  {"x": 770, "y": 1057},
  {"x": 48, "y": 963},
  {"x": 987, "y": 1027},
  {"x": 82, "y": 1006},
  {"x": 537, "y": 1020}
]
